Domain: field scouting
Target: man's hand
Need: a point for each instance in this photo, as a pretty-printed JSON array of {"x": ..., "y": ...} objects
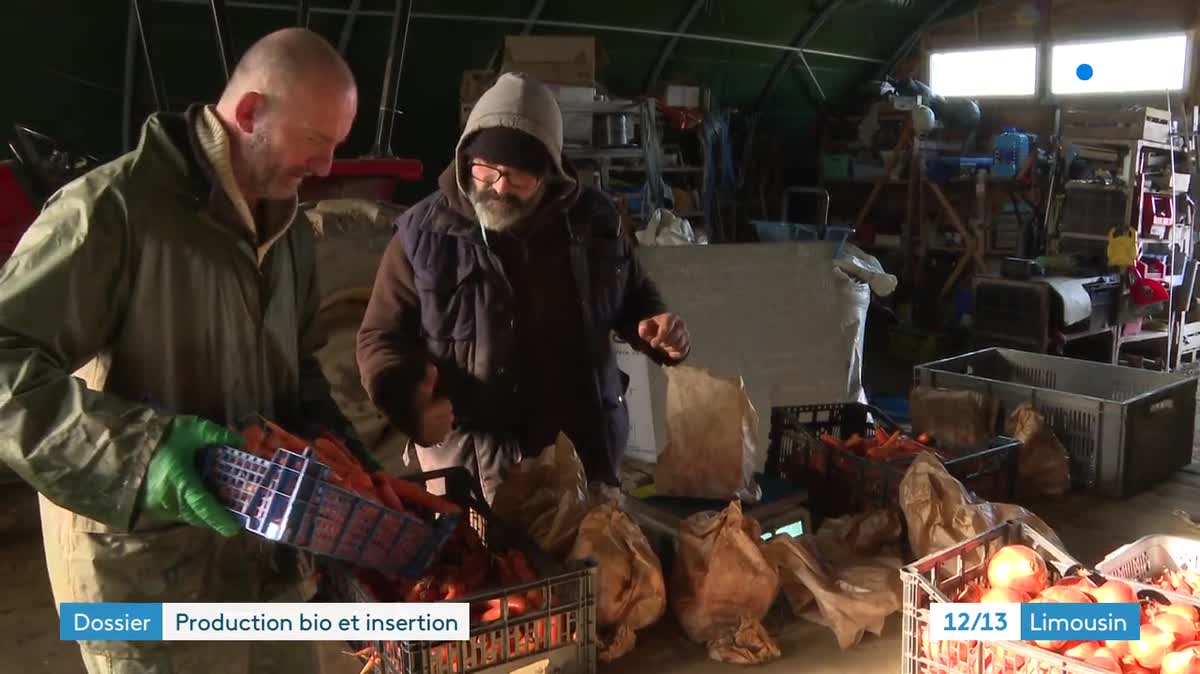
[
  {"x": 174, "y": 490},
  {"x": 667, "y": 333},
  {"x": 434, "y": 416}
]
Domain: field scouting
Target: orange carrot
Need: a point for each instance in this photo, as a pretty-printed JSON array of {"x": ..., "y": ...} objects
[
  {"x": 831, "y": 441},
  {"x": 387, "y": 495},
  {"x": 881, "y": 435},
  {"x": 411, "y": 493},
  {"x": 281, "y": 439}
]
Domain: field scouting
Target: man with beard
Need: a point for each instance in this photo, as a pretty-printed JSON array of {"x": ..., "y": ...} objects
[
  {"x": 489, "y": 327},
  {"x": 178, "y": 284}
]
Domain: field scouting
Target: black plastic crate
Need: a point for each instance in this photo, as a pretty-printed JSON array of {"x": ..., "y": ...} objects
[
  {"x": 841, "y": 482},
  {"x": 561, "y": 636}
]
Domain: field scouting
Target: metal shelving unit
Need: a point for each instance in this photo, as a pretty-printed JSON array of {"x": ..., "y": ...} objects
[
  {"x": 1181, "y": 338},
  {"x": 649, "y": 151}
]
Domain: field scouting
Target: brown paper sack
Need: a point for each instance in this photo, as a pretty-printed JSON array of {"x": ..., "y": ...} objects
[
  {"x": 722, "y": 585},
  {"x": 940, "y": 512},
  {"x": 957, "y": 420},
  {"x": 711, "y": 428},
  {"x": 1043, "y": 463},
  {"x": 631, "y": 592},
  {"x": 851, "y": 597},
  {"x": 546, "y": 496}
]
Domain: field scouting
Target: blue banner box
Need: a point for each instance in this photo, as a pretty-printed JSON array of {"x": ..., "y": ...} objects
[
  {"x": 110, "y": 621},
  {"x": 1080, "y": 622}
]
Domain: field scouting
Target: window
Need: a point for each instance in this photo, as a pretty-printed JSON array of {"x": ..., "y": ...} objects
[
  {"x": 1008, "y": 71},
  {"x": 1119, "y": 66}
]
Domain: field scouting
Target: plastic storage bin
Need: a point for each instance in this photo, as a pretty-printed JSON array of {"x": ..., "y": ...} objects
[
  {"x": 841, "y": 482},
  {"x": 561, "y": 637},
  {"x": 1147, "y": 557},
  {"x": 290, "y": 500},
  {"x": 1126, "y": 429},
  {"x": 938, "y": 578}
]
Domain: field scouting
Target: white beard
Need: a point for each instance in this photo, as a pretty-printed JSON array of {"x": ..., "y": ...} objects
[{"x": 497, "y": 216}]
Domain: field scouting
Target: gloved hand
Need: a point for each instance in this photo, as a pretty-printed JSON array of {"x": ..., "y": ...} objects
[{"x": 173, "y": 489}]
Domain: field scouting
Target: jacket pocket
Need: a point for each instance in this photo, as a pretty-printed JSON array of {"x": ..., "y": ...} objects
[
  {"x": 609, "y": 275},
  {"x": 448, "y": 301}
]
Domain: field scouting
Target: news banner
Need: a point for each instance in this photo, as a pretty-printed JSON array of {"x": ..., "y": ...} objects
[
  {"x": 443, "y": 621},
  {"x": 1035, "y": 621}
]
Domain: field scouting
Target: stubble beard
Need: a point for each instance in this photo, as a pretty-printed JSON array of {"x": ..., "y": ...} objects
[
  {"x": 501, "y": 213},
  {"x": 270, "y": 181}
]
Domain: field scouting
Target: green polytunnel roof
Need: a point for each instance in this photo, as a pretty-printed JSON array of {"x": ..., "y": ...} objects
[{"x": 75, "y": 91}]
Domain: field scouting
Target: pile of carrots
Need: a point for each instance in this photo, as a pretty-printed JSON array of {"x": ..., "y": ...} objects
[
  {"x": 884, "y": 445},
  {"x": 466, "y": 565},
  {"x": 263, "y": 437}
]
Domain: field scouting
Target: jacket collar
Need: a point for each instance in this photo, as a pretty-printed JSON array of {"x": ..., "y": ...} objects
[{"x": 172, "y": 157}]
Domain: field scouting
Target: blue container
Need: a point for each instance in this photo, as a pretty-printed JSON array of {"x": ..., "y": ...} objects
[
  {"x": 291, "y": 501},
  {"x": 1010, "y": 152},
  {"x": 785, "y": 231},
  {"x": 942, "y": 169}
]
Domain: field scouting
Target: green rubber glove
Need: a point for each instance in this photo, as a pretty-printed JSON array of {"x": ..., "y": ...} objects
[{"x": 174, "y": 490}]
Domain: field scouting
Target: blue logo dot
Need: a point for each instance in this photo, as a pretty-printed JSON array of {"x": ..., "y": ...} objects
[{"x": 1084, "y": 72}]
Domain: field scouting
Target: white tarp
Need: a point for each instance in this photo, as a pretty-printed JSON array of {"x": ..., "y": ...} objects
[{"x": 783, "y": 316}]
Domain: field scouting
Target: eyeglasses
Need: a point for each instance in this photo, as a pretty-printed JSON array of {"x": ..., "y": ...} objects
[{"x": 490, "y": 175}]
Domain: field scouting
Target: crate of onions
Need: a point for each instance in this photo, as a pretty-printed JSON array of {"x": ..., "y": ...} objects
[{"x": 1013, "y": 563}]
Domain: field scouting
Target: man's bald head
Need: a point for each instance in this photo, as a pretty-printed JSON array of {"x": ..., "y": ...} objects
[
  {"x": 285, "y": 60},
  {"x": 289, "y": 103}
]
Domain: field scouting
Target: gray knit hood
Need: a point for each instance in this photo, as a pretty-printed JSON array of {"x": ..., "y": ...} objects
[{"x": 521, "y": 102}]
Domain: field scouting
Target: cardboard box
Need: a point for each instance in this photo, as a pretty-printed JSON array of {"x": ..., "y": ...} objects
[
  {"x": 680, "y": 96},
  {"x": 577, "y": 126},
  {"x": 552, "y": 59},
  {"x": 474, "y": 83}
]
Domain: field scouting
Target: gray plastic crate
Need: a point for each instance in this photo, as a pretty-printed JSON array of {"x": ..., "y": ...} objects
[
  {"x": 1126, "y": 429},
  {"x": 1149, "y": 556}
]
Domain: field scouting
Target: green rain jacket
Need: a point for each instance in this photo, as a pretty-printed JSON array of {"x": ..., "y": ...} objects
[{"x": 133, "y": 297}]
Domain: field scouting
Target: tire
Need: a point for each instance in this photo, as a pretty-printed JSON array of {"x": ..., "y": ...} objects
[{"x": 351, "y": 237}]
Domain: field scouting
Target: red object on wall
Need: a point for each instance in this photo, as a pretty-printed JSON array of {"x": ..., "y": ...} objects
[{"x": 17, "y": 209}]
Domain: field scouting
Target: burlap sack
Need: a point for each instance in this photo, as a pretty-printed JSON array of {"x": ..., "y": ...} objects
[
  {"x": 546, "y": 496},
  {"x": 631, "y": 592},
  {"x": 1044, "y": 463},
  {"x": 711, "y": 427},
  {"x": 722, "y": 585},
  {"x": 940, "y": 512},
  {"x": 957, "y": 420}
]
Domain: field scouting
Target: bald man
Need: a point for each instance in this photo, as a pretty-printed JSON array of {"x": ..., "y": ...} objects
[{"x": 156, "y": 303}]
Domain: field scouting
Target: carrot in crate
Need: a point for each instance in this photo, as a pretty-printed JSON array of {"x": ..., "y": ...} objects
[
  {"x": 855, "y": 443},
  {"x": 254, "y": 439},
  {"x": 413, "y": 494},
  {"x": 387, "y": 496},
  {"x": 523, "y": 572},
  {"x": 832, "y": 441},
  {"x": 277, "y": 438}
]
